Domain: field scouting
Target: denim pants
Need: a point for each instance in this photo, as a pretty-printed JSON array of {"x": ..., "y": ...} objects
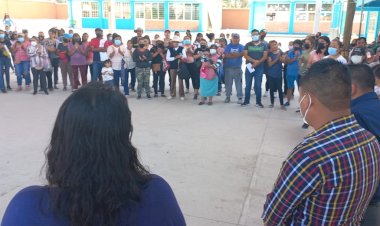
[
  {"x": 23, "y": 69},
  {"x": 116, "y": 78},
  {"x": 96, "y": 71},
  {"x": 133, "y": 77},
  {"x": 257, "y": 77},
  {"x": 5, "y": 63}
]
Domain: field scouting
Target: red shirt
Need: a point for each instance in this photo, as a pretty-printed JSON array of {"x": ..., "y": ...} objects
[{"x": 95, "y": 42}]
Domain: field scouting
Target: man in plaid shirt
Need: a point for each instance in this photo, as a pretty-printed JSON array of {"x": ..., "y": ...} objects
[{"x": 329, "y": 178}]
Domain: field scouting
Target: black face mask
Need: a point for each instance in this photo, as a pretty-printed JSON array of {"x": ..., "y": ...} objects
[
  {"x": 321, "y": 46},
  {"x": 306, "y": 46},
  {"x": 41, "y": 37},
  {"x": 141, "y": 45},
  {"x": 161, "y": 46},
  {"x": 65, "y": 40},
  {"x": 76, "y": 39},
  {"x": 99, "y": 35},
  {"x": 203, "y": 46}
]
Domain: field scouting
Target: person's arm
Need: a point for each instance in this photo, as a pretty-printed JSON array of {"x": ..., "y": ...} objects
[
  {"x": 72, "y": 50},
  {"x": 299, "y": 177},
  {"x": 110, "y": 51},
  {"x": 248, "y": 58},
  {"x": 31, "y": 52},
  {"x": 184, "y": 56},
  {"x": 168, "y": 57},
  {"x": 135, "y": 56},
  {"x": 148, "y": 55},
  {"x": 272, "y": 62}
]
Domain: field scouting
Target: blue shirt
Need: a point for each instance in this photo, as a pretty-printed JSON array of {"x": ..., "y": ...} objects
[
  {"x": 30, "y": 207},
  {"x": 292, "y": 68},
  {"x": 233, "y": 62},
  {"x": 275, "y": 71},
  {"x": 366, "y": 109}
]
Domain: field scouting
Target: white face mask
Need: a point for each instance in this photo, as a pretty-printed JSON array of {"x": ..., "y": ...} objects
[
  {"x": 356, "y": 59},
  {"x": 307, "y": 110},
  {"x": 212, "y": 51},
  {"x": 33, "y": 43}
]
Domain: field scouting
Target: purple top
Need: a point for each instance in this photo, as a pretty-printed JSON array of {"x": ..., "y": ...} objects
[{"x": 78, "y": 58}]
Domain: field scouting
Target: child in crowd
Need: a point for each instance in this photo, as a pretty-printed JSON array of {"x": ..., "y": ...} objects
[
  {"x": 292, "y": 60},
  {"x": 107, "y": 73},
  {"x": 274, "y": 73},
  {"x": 211, "y": 61}
]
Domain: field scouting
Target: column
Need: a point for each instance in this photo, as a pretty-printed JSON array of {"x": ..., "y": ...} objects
[
  {"x": 166, "y": 14},
  {"x": 291, "y": 20}
]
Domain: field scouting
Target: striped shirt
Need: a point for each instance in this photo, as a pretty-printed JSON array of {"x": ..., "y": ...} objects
[{"x": 328, "y": 179}]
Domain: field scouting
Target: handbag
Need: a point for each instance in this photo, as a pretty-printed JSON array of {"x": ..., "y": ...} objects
[{"x": 183, "y": 72}]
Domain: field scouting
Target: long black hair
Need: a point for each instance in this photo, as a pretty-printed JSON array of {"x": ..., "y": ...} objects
[{"x": 92, "y": 168}]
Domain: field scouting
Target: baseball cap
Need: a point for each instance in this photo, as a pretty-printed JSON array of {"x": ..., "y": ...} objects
[{"x": 235, "y": 35}]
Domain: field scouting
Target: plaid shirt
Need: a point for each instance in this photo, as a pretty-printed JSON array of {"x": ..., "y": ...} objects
[{"x": 328, "y": 179}]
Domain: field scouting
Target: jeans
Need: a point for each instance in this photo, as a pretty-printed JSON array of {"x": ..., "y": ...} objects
[
  {"x": 66, "y": 72},
  {"x": 230, "y": 75},
  {"x": 116, "y": 78},
  {"x": 275, "y": 84},
  {"x": 159, "y": 82},
  {"x": 55, "y": 64},
  {"x": 39, "y": 75},
  {"x": 5, "y": 63},
  {"x": 257, "y": 76},
  {"x": 96, "y": 71},
  {"x": 23, "y": 69}
]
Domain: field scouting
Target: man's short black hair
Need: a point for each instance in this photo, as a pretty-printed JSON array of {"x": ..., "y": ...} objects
[
  {"x": 362, "y": 76},
  {"x": 330, "y": 82},
  {"x": 255, "y": 30}
]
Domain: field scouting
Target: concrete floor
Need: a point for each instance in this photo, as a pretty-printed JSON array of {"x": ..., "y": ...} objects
[{"x": 220, "y": 160}]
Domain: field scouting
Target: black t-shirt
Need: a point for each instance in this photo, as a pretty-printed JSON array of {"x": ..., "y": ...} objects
[{"x": 158, "y": 59}]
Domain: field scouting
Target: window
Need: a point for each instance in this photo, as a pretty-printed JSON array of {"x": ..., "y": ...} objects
[
  {"x": 105, "y": 9},
  {"x": 306, "y": 12},
  {"x": 149, "y": 11},
  {"x": 122, "y": 10},
  {"x": 90, "y": 9},
  {"x": 181, "y": 11},
  {"x": 277, "y": 12}
]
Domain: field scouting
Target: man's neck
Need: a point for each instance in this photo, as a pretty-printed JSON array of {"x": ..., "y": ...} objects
[
  {"x": 360, "y": 93},
  {"x": 329, "y": 116}
]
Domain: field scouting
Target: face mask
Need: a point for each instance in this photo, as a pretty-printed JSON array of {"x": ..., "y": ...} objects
[
  {"x": 306, "y": 46},
  {"x": 217, "y": 44},
  {"x": 110, "y": 39},
  {"x": 186, "y": 42},
  {"x": 212, "y": 51},
  {"x": 76, "y": 39},
  {"x": 297, "y": 49},
  {"x": 356, "y": 59},
  {"x": 290, "y": 47},
  {"x": 99, "y": 35},
  {"x": 65, "y": 40},
  {"x": 21, "y": 40},
  {"x": 33, "y": 43},
  {"x": 332, "y": 51},
  {"x": 117, "y": 42},
  {"x": 2, "y": 36},
  {"x": 255, "y": 38},
  {"x": 307, "y": 110},
  {"x": 203, "y": 46},
  {"x": 141, "y": 45},
  {"x": 321, "y": 46}
]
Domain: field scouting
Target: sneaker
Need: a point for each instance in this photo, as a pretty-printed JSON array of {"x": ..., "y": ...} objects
[
  {"x": 139, "y": 97},
  {"x": 46, "y": 92},
  {"x": 298, "y": 110},
  {"x": 240, "y": 101},
  {"x": 201, "y": 103},
  {"x": 182, "y": 98},
  {"x": 218, "y": 94},
  {"x": 195, "y": 97},
  {"x": 266, "y": 93},
  {"x": 170, "y": 97},
  {"x": 227, "y": 100},
  {"x": 271, "y": 106},
  {"x": 244, "y": 104},
  {"x": 148, "y": 96},
  {"x": 287, "y": 104},
  {"x": 209, "y": 103},
  {"x": 163, "y": 95},
  {"x": 305, "y": 126},
  {"x": 155, "y": 95},
  {"x": 259, "y": 105}
]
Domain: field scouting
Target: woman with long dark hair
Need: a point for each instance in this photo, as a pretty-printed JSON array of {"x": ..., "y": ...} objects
[{"x": 94, "y": 175}]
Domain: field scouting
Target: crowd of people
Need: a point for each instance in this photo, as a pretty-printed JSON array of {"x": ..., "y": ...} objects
[{"x": 209, "y": 62}]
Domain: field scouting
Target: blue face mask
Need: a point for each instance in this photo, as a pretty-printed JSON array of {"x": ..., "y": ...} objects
[
  {"x": 332, "y": 51},
  {"x": 21, "y": 40},
  {"x": 186, "y": 42},
  {"x": 2, "y": 36},
  {"x": 255, "y": 38},
  {"x": 117, "y": 42}
]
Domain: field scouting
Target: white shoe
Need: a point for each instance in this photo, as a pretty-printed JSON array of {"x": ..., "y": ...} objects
[
  {"x": 182, "y": 98},
  {"x": 170, "y": 97},
  {"x": 275, "y": 95}
]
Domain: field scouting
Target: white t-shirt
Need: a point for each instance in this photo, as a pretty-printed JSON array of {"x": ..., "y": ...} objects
[
  {"x": 340, "y": 59},
  {"x": 107, "y": 73},
  {"x": 117, "y": 57}
]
